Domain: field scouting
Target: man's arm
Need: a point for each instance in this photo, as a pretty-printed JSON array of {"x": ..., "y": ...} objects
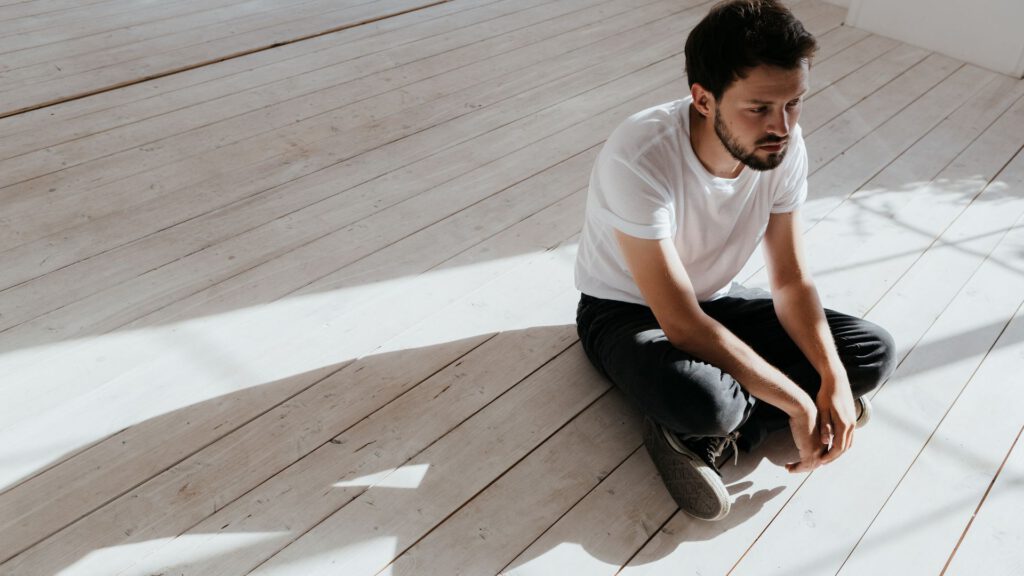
[
  {"x": 799, "y": 310},
  {"x": 665, "y": 286}
]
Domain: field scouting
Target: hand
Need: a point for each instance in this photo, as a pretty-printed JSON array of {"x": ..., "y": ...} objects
[
  {"x": 804, "y": 426},
  {"x": 837, "y": 416}
]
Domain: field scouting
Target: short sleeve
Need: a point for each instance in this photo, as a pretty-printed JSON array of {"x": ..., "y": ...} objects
[
  {"x": 630, "y": 198},
  {"x": 791, "y": 192}
]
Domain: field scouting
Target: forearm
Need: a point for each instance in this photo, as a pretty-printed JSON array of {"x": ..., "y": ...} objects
[
  {"x": 713, "y": 343},
  {"x": 799, "y": 310}
]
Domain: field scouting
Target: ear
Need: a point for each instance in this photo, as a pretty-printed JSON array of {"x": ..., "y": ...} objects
[{"x": 703, "y": 100}]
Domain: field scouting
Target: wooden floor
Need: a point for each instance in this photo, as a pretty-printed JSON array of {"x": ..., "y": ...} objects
[{"x": 286, "y": 288}]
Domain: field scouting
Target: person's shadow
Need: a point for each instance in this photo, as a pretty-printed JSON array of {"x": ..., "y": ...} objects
[{"x": 206, "y": 491}]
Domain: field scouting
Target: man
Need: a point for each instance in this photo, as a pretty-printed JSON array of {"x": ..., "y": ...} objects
[{"x": 680, "y": 196}]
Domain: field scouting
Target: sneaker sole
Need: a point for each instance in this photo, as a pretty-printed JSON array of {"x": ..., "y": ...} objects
[{"x": 695, "y": 486}]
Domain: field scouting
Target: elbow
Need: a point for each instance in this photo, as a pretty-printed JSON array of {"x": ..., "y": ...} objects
[
  {"x": 795, "y": 283},
  {"x": 677, "y": 336},
  {"x": 688, "y": 336}
]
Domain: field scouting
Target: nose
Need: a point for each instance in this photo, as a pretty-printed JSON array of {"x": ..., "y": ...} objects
[{"x": 778, "y": 123}]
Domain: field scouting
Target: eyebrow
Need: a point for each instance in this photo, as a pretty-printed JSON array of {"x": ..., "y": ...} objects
[{"x": 765, "y": 102}]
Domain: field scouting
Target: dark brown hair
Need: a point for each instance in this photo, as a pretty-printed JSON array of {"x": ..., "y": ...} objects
[{"x": 738, "y": 35}]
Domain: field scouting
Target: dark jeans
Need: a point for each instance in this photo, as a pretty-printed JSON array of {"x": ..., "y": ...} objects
[{"x": 694, "y": 398}]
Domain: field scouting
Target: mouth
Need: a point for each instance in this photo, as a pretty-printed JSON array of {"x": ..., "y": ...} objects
[{"x": 774, "y": 147}]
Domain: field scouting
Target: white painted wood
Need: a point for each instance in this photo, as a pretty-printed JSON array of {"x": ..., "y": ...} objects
[
  {"x": 994, "y": 543},
  {"x": 923, "y": 518},
  {"x": 877, "y": 62},
  {"x": 818, "y": 17},
  {"x": 857, "y": 122},
  {"x": 907, "y": 409},
  {"x": 984, "y": 32},
  {"x": 831, "y": 43}
]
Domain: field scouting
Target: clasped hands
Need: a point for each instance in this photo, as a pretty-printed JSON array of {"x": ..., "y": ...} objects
[{"x": 823, "y": 430}]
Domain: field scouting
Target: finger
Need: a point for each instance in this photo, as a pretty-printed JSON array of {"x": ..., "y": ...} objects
[
  {"x": 843, "y": 437},
  {"x": 798, "y": 467},
  {"x": 826, "y": 429},
  {"x": 815, "y": 460},
  {"x": 832, "y": 455}
]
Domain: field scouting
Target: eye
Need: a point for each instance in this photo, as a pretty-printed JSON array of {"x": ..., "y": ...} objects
[
  {"x": 759, "y": 109},
  {"x": 794, "y": 103}
]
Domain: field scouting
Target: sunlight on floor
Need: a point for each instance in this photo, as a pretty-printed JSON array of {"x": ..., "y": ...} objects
[
  {"x": 563, "y": 555},
  {"x": 98, "y": 562},
  {"x": 376, "y": 550},
  {"x": 402, "y": 477},
  {"x": 141, "y": 374}
]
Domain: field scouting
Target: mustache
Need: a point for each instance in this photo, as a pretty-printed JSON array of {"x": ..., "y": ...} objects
[{"x": 770, "y": 140}]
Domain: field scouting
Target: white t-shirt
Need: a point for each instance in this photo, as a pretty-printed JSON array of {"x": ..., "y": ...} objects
[{"x": 648, "y": 183}]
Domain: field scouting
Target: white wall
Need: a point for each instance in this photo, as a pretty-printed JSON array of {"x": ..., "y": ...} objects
[{"x": 989, "y": 33}]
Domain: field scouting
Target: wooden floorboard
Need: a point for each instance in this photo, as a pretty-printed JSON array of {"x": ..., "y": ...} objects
[
  {"x": 49, "y": 66},
  {"x": 994, "y": 522},
  {"x": 310, "y": 308},
  {"x": 395, "y": 122}
]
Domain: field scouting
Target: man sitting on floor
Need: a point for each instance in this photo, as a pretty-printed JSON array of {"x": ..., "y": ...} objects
[{"x": 680, "y": 196}]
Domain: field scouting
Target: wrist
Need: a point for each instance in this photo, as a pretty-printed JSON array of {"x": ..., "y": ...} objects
[
  {"x": 830, "y": 380},
  {"x": 802, "y": 406}
]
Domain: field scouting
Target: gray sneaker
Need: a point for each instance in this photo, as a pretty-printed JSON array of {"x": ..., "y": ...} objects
[
  {"x": 863, "y": 411},
  {"x": 689, "y": 469}
]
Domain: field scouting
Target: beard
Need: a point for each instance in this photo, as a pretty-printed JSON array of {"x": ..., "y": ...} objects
[{"x": 749, "y": 157}]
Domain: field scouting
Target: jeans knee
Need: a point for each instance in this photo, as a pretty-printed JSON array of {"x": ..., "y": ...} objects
[
  {"x": 875, "y": 361},
  {"x": 712, "y": 408},
  {"x": 718, "y": 424}
]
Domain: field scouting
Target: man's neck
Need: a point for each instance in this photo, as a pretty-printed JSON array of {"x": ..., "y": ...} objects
[{"x": 709, "y": 149}]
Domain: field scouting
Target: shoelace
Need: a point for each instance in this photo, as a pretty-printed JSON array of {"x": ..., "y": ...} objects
[{"x": 716, "y": 447}]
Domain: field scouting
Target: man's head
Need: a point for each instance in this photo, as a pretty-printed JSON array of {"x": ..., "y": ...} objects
[{"x": 747, "y": 63}]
